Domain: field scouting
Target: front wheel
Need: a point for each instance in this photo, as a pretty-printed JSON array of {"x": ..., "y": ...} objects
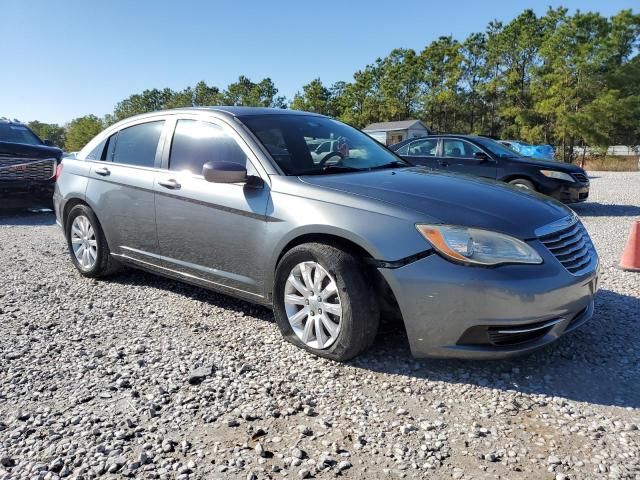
[
  {"x": 322, "y": 302},
  {"x": 523, "y": 184}
]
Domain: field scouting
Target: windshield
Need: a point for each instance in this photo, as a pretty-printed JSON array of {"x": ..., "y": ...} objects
[
  {"x": 311, "y": 145},
  {"x": 16, "y": 133},
  {"x": 497, "y": 149}
]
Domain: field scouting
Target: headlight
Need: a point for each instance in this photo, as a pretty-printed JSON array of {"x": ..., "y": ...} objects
[
  {"x": 477, "y": 247},
  {"x": 557, "y": 175}
]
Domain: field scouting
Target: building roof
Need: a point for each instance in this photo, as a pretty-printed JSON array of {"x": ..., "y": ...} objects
[{"x": 400, "y": 125}]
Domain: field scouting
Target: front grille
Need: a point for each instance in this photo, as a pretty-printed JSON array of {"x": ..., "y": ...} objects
[
  {"x": 580, "y": 177},
  {"x": 27, "y": 168},
  {"x": 572, "y": 247}
]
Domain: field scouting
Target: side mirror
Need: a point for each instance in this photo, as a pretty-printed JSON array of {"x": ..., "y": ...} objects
[
  {"x": 224, "y": 172},
  {"x": 481, "y": 156},
  {"x": 49, "y": 143}
]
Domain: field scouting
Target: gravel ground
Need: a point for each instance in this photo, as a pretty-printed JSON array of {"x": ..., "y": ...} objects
[{"x": 142, "y": 376}]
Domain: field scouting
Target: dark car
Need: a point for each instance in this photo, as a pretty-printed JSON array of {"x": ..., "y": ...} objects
[
  {"x": 27, "y": 166},
  {"x": 483, "y": 157}
]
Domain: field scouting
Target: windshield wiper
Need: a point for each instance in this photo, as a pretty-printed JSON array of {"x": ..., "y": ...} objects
[
  {"x": 395, "y": 163},
  {"x": 330, "y": 169}
]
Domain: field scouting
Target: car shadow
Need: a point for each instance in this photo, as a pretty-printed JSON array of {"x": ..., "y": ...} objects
[
  {"x": 595, "y": 209},
  {"x": 27, "y": 217},
  {"x": 599, "y": 363},
  {"x": 134, "y": 277}
]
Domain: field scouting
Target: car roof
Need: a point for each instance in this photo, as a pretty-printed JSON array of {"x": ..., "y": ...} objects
[
  {"x": 226, "y": 110},
  {"x": 245, "y": 111},
  {"x": 441, "y": 135}
]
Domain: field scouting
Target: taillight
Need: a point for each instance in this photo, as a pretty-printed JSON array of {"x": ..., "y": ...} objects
[{"x": 58, "y": 172}]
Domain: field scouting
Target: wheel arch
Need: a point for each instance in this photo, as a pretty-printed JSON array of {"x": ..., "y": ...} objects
[
  {"x": 327, "y": 238},
  {"x": 387, "y": 300},
  {"x": 68, "y": 206},
  {"x": 519, "y": 176},
  {"x": 73, "y": 202}
]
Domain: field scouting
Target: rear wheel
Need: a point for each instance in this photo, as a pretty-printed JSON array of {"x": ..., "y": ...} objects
[
  {"x": 87, "y": 244},
  {"x": 322, "y": 302},
  {"x": 523, "y": 183}
]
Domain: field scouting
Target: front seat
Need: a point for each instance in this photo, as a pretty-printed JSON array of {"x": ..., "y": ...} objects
[{"x": 455, "y": 152}]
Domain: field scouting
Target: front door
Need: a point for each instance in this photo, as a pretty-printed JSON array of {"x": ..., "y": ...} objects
[
  {"x": 459, "y": 156},
  {"x": 210, "y": 232},
  {"x": 121, "y": 189}
]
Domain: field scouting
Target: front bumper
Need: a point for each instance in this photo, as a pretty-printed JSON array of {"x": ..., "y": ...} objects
[
  {"x": 570, "y": 194},
  {"x": 21, "y": 193},
  {"x": 456, "y": 311}
]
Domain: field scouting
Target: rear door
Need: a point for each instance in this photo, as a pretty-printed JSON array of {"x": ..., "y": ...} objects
[
  {"x": 458, "y": 156},
  {"x": 212, "y": 232},
  {"x": 421, "y": 152},
  {"x": 120, "y": 188}
]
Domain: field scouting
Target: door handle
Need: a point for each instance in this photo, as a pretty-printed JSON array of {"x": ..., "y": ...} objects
[
  {"x": 444, "y": 163},
  {"x": 104, "y": 171},
  {"x": 170, "y": 184}
]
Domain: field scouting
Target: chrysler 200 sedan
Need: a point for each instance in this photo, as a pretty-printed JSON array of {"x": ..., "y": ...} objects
[{"x": 243, "y": 201}]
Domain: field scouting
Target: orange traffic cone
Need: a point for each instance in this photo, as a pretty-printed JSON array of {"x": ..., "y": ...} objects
[{"x": 630, "y": 260}]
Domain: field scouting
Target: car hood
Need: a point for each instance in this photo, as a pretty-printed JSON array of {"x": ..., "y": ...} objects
[
  {"x": 550, "y": 164},
  {"x": 22, "y": 150},
  {"x": 451, "y": 199}
]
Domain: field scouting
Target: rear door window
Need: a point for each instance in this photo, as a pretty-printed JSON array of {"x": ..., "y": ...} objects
[
  {"x": 423, "y": 148},
  {"x": 135, "y": 145}
]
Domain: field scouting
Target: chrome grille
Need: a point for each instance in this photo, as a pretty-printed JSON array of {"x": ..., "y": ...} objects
[
  {"x": 27, "y": 168},
  {"x": 503, "y": 336},
  {"x": 572, "y": 247},
  {"x": 580, "y": 177}
]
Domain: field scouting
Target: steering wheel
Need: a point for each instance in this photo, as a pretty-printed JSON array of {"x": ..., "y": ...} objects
[{"x": 326, "y": 158}]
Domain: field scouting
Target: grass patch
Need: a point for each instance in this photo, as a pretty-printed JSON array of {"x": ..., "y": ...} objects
[{"x": 612, "y": 164}]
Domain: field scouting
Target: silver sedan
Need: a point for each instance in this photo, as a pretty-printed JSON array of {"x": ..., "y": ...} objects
[{"x": 239, "y": 200}]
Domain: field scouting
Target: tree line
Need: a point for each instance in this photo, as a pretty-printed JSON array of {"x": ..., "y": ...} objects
[{"x": 565, "y": 79}]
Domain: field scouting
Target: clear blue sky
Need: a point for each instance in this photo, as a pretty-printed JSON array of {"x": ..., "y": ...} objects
[{"x": 63, "y": 59}]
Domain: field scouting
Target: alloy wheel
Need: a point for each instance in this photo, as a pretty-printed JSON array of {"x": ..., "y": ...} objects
[
  {"x": 83, "y": 242},
  {"x": 313, "y": 305}
]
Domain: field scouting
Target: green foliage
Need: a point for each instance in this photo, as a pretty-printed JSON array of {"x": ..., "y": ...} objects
[
  {"x": 147, "y": 101},
  {"x": 443, "y": 68},
  {"x": 81, "y": 130},
  {"x": 315, "y": 98},
  {"x": 567, "y": 80},
  {"x": 48, "y": 131},
  {"x": 246, "y": 93}
]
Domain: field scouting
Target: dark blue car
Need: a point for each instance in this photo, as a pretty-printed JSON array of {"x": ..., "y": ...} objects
[{"x": 483, "y": 157}]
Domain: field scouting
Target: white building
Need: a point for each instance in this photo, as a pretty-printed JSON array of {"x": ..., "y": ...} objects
[{"x": 389, "y": 133}]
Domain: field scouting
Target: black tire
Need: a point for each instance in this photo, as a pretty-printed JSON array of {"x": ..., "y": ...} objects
[
  {"x": 105, "y": 264},
  {"x": 360, "y": 312},
  {"x": 523, "y": 183}
]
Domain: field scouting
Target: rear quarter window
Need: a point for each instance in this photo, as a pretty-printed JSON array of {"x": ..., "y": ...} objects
[{"x": 98, "y": 152}]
